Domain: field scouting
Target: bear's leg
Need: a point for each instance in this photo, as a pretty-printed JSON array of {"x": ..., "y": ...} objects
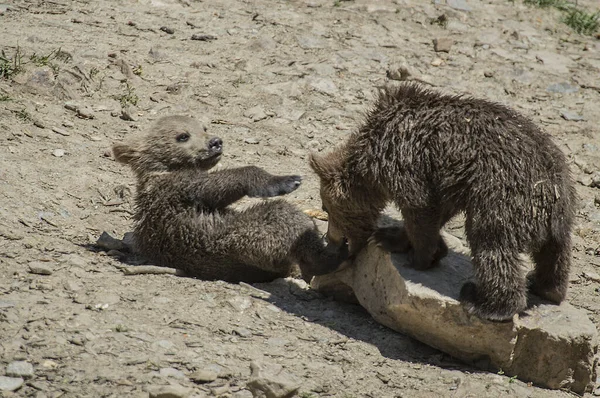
[
  {"x": 314, "y": 258},
  {"x": 550, "y": 279},
  {"x": 423, "y": 231},
  {"x": 273, "y": 234},
  {"x": 500, "y": 290}
]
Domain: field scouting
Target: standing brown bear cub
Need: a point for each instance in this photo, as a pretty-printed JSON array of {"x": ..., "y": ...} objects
[
  {"x": 436, "y": 155},
  {"x": 183, "y": 218}
]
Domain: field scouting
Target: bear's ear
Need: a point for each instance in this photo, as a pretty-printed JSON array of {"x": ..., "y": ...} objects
[
  {"x": 124, "y": 153},
  {"x": 324, "y": 165},
  {"x": 329, "y": 169},
  {"x": 315, "y": 161}
]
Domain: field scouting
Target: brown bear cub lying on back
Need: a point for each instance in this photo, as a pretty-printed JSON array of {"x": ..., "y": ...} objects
[
  {"x": 183, "y": 218},
  {"x": 437, "y": 155}
]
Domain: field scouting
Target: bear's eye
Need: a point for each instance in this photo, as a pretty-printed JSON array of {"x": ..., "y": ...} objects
[{"x": 183, "y": 137}]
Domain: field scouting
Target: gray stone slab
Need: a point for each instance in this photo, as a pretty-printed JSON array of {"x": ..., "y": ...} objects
[{"x": 549, "y": 345}]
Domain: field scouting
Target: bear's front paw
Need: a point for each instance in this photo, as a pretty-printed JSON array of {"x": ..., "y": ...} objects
[
  {"x": 392, "y": 239},
  {"x": 276, "y": 186}
]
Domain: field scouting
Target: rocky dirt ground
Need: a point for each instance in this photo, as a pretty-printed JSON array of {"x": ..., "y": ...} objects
[{"x": 275, "y": 79}]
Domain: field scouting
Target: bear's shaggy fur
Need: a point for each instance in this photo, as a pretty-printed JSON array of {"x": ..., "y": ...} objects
[
  {"x": 436, "y": 155},
  {"x": 183, "y": 218}
]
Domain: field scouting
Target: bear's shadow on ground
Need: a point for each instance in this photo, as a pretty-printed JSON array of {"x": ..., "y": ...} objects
[{"x": 354, "y": 322}]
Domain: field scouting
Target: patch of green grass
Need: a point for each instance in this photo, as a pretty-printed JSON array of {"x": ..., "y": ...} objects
[
  {"x": 138, "y": 70},
  {"x": 442, "y": 21},
  {"x": 129, "y": 96},
  {"x": 578, "y": 19},
  {"x": 48, "y": 60},
  {"x": 582, "y": 22},
  {"x": 93, "y": 72},
  {"x": 43, "y": 60},
  {"x": 23, "y": 115},
  {"x": 338, "y": 3},
  {"x": 10, "y": 66},
  {"x": 4, "y": 97},
  {"x": 544, "y": 3},
  {"x": 238, "y": 82}
]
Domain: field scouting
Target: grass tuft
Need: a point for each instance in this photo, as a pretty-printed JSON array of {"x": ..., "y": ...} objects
[
  {"x": 10, "y": 66},
  {"x": 580, "y": 20}
]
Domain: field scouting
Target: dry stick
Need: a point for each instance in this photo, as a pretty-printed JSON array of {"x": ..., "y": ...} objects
[{"x": 148, "y": 269}]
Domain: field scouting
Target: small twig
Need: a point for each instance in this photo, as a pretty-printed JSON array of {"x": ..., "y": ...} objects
[
  {"x": 148, "y": 269},
  {"x": 73, "y": 196},
  {"x": 121, "y": 211},
  {"x": 49, "y": 222}
]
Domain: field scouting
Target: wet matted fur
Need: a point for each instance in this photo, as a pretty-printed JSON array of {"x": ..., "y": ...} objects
[
  {"x": 183, "y": 219},
  {"x": 436, "y": 155}
]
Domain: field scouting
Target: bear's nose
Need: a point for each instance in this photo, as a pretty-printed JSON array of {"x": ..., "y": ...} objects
[{"x": 215, "y": 144}]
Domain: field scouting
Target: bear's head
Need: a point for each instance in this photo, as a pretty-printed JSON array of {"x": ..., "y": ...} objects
[{"x": 173, "y": 143}]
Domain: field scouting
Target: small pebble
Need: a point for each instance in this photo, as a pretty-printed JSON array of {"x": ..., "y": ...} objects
[
  {"x": 564, "y": 88},
  {"x": 571, "y": 116},
  {"x": 172, "y": 391},
  {"x": 240, "y": 303},
  {"x": 85, "y": 113},
  {"x": 585, "y": 180},
  {"x": 256, "y": 114},
  {"x": 592, "y": 276},
  {"x": 59, "y": 153},
  {"x": 172, "y": 372},
  {"x": 6, "y": 304},
  {"x": 488, "y": 73},
  {"x": 442, "y": 44},
  {"x": 263, "y": 383},
  {"x": 19, "y": 369},
  {"x": 203, "y": 376},
  {"x": 71, "y": 106},
  {"x": 218, "y": 391},
  {"x": 167, "y": 30},
  {"x": 437, "y": 62},
  {"x": 61, "y": 131},
  {"x": 39, "y": 268},
  {"x": 77, "y": 340},
  {"x": 242, "y": 332},
  {"x": 127, "y": 114},
  {"x": 10, "y": 383},
  {"x": 203, "y": 37},
  {"x": 251, "y": 140}
]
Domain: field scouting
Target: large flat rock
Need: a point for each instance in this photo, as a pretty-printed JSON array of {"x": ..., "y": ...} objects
[{"x": 549, "y": 345}]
